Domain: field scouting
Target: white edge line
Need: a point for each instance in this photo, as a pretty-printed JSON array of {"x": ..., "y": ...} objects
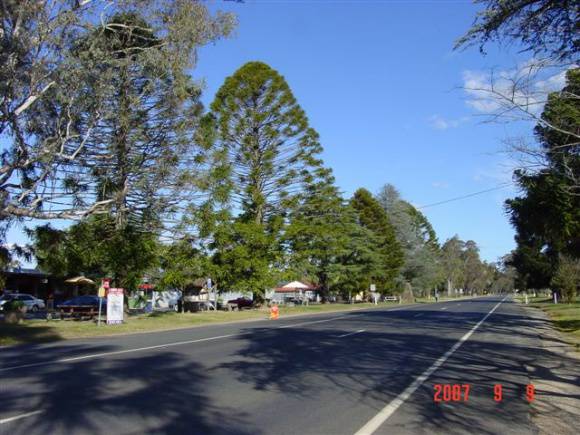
[
  {"x": 374, "y": 423},
  {"x": 350, "y": 333},
  {"x": 18, "y": 417}
]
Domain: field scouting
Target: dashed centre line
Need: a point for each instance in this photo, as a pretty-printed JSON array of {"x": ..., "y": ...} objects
[{"x": 350, "y": 333}]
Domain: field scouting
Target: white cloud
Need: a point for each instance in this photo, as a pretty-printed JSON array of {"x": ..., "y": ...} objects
[
  {"x": 440, "y": 123},
  {"x": 526, "y": 86},
  {"x": 440, "y": 184},
  {"x": 499, "y": 172},
  {"x": 553, "y": 83}
]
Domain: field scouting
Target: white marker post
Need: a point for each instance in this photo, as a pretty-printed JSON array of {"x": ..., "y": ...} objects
[{"x": 374, "y": 293}]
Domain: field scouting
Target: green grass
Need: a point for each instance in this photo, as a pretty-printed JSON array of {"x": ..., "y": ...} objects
[
  {"x": 565, "y": 317},
  {"x": 441, "y": 299}
]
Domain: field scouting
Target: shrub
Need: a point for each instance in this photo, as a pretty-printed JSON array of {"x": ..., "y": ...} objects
[{"x": 567, "y": 278}]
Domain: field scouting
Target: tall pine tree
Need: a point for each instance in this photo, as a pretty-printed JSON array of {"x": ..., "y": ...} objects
[
  {"x": 265, "y": 152},
  {"x": 372, "y": 216}
]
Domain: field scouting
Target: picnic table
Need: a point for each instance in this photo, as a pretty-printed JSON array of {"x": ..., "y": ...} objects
[{"x": 80, "y": 312}]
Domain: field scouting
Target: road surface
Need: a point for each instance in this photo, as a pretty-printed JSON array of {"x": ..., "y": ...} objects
[{"x": 369, "y": 371}]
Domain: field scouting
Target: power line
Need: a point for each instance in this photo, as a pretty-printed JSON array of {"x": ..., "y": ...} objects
[{"x": 498, "y": 187}]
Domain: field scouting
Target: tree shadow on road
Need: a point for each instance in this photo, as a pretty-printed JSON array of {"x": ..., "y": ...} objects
[
  {"x": 373, "y": 367},
  {"x": 161, "y": 393}
]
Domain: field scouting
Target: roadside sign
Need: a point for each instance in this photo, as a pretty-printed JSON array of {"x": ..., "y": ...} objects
[
  {"x": 101, "y": 292},
  {"x": 114, "y": 306},
  {"x": 106, "y": 283},
  {"x": 373, "y": 288}
]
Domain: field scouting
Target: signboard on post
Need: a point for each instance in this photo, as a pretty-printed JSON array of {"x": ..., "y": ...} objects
[
  {"x": 373, "y": 288},
  {"x": 115, "y": 306}
]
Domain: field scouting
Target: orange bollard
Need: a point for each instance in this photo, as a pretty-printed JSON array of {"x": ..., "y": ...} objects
[{"x": 274, "y": 312}]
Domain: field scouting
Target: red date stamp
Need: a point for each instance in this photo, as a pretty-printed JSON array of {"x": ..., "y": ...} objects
[
  {"x": 460, "y": 393},
  {"x": 451, "y": 393}
]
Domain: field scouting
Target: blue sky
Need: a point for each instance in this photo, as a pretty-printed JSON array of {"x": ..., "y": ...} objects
[{"x": 381, "y": 84}]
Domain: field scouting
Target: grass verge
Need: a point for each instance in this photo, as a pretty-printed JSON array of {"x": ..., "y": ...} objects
[{"x": 565, "y": 317}]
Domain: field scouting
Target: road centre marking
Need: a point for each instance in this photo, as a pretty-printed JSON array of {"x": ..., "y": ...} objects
[
  {"x": 18, "y": 417},
  {"x": 119, "y": 352},
  {"x": 311, "y": 323},
  {"x": 374, "y": 423},
  {"x": 350, "y": 333}
]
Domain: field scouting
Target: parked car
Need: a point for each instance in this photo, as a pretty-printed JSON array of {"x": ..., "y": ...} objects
[
  {"x": 30, "y": 302},
  {"x": 241, "y": 303},
  {"x": 84, "y": 301}
]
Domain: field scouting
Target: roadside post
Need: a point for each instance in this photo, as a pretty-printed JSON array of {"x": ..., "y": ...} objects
[
  {"x": 374, "y": 293},
  {"x": 101, "y": 295},
  {"x": 209, "y": 285},
  {"x": 526, "y": 299}
]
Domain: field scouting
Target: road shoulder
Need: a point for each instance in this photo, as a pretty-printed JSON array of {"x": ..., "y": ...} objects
[{"x": 557, "y": 379}]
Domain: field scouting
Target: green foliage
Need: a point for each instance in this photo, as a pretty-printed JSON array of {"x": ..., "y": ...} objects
[
  {"x": 566, "y": 279},
  {"x": 372, "y": 216},
  {"x": 463, "y": 269},
  {"x": 141, "y": 142},
  {"x": 263, "y": 139},
  {"x": 244, "y": 257},
  {"x": 263, "y": 153},
  {"x": 14, "y": 305},
  {"x": 545, "y": 27},
  {"x": 95, "y": 94},
  {"x": 324, "y": 242},
  {"x": 97, "y": 249},
  {"x": 181, "y": 264},
  {"x": 417, "y": 239},
  {"x": 547, "y": 214}
]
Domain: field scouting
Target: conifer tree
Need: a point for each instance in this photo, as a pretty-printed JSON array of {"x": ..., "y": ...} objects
[{"x": 372, "y": 216}]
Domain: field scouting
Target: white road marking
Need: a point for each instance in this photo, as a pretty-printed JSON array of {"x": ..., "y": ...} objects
[
  {"x": 350, "y": 333},
  {"x": 119, "y": 352},
  {"x": 311, "y": 323},
  {"x": 418, "y": 315},
  {"x": 444, "y": 308},
  {"x": 373, "y": 424},
  {"x": 18, "y": 417}
]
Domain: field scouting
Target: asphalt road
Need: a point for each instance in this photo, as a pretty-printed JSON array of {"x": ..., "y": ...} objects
[{"x": 370, "y": 371}]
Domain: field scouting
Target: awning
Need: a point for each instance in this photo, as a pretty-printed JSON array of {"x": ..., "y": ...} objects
[{"x": 79, "y": 280}]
